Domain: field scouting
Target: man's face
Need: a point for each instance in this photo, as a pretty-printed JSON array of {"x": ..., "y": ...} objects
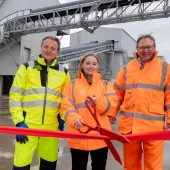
[
  {"x": 146, "y": 49},
  {"x": 49, "y": 50}
]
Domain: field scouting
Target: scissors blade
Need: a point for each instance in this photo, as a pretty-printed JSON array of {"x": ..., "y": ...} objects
[
  {"x": 113, "y": 135},
  {"x": 113, "y": 151}
]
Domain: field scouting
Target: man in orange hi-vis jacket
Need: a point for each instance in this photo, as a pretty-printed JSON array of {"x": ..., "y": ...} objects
[{"x": 143, "y": 89}]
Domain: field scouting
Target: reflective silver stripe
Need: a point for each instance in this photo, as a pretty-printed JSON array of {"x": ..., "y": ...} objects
[
  {"x": 149, "y": 86},
  {"x": 110, "y": 94},
  {"x": 42, "y": 91},
  {"x": 164, "y": 70},
  {"x": 108, "y": 107},
  {"x": 80, "y": 106},
  {"x": 125, "y": 73},
  {"x": 31, "y": 63},
  {"x": 71, "y": 101},
  {"x": 167, "y": 88},
  {"x": 144, "y": 86},
  {"x": 167, "y": 106},
  {"x": 61, "y": 68},
  {"x": 118, "y": 87},
  {"x": 69, "y": 112},
  {"x": 73, "y": 84},
  {"x": 105, "y": 84},
  {"x": 17, "y": 90},
  {"x": 16, "y": 103},
  {"x": 40, "y": 103},
  {"x": 143, "y": 116}
]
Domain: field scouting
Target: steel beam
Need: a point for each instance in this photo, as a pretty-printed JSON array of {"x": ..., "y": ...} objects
[{"x": 86, "y": 16}]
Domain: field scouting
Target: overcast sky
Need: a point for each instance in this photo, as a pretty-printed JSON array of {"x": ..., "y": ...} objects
[{"x": 160, "y": 29}]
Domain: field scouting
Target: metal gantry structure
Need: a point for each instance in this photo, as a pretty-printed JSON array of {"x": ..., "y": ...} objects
[
  {"x": 1, "y": 1},
  {"x": 73, "y": 54},
  {"x": 83, "y": 14},
  {"x": 86, "y": 14}
]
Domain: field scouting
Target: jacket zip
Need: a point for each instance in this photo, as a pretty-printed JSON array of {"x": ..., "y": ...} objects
[{"x": 45, "y": 95}]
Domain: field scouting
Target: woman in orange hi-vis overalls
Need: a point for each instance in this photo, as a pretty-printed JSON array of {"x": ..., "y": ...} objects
[
  {"x": 88, "y": 83},
  {"x": 143, "y": 89}
]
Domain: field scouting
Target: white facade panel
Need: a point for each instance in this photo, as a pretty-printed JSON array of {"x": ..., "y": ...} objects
[
  {"x": 101, "y": 34},
  {"x": 128, "y": 44},
  {"x": 7, "y": 64}
]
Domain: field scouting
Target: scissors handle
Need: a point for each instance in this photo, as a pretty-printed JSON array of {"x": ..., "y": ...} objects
[
  {"x": 93, "y": 113},
  {"x": 89, "y": 128}
]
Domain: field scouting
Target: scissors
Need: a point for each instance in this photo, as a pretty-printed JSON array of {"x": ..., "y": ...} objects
[{"x": 104, "y": 131}]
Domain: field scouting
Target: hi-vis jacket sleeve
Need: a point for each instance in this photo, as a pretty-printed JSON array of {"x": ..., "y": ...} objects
[
  {"x": 16, "y": 95},
  {"x": 167, "y": 94},
  {"x": 119, "y": 87},
  {"x": 107, "y": 104},
  {"x": 67, "y": 80},
  {"x": 67, "y": 106}
]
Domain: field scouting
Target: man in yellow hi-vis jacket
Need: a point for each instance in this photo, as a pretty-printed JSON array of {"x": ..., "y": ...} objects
[{"x": 35, "y": 99}]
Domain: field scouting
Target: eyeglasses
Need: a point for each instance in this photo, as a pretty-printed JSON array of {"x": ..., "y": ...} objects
[{"x": 147, "y": 47}]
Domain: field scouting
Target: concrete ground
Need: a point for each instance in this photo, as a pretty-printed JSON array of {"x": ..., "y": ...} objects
[{"x": 64, "y": 163}]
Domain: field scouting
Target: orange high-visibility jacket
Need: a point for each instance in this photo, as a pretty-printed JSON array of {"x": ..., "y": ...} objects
[
  {"x": 144, "y": 96},
  {"x": 73, "y": 107}
]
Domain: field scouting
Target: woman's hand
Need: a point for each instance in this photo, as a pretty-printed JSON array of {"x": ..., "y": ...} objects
[
  {"x": 78, "y": 124},
  {"x": 90, "y": 104}
]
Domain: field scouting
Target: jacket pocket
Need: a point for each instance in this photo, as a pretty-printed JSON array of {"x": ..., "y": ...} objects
[
  {"x": 156, "y": 108},
  {"x": 127, "y": 102}
]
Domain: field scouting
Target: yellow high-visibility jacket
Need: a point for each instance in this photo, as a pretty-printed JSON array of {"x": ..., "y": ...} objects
[
  {"x": 73, "y": 107},
  {"x": 36, "y": 93},
  {"x": 144, "y": 95}
]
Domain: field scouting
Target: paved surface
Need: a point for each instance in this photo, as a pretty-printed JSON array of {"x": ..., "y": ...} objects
[{"x": 64, "y": 163}]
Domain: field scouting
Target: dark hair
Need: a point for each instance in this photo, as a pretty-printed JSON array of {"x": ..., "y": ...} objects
[
  {"x": 146, "y": 36},
  {"x": 52, "y": 38}
]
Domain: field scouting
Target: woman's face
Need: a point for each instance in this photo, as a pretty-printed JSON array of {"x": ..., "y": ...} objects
[{"x": 90, "y": 65}]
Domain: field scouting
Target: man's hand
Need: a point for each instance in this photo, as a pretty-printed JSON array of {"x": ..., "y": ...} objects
[
  {"x": 112, "y": 119},
  {"x": 21, "y": 138},
  {"x": 167, "y": 127}
]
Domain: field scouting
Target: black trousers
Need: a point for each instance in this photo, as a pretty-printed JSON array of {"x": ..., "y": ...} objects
[{"x": 80, "y": 159}]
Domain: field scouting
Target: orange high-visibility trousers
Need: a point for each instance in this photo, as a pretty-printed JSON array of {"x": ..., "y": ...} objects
[{"x": 153, "y": 155}]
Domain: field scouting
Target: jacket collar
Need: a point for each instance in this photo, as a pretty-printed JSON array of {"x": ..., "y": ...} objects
[
  {"x": 43, "y": 62},
  {"x": 95, "y": 77},
  {"x": 135, "y": 54}
]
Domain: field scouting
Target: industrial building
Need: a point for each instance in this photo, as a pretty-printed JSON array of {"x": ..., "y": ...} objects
[{"x": 24, "y": 23}]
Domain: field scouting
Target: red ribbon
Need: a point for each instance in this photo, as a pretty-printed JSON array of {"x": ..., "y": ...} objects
[
  {"x": 48, "y": 133},
  {"x": 164, "y": 135}
]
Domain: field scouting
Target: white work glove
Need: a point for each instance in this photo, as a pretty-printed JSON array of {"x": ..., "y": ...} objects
[
  {"x": 78, "y": 124},
  {"x": 89, "y": 101}
]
